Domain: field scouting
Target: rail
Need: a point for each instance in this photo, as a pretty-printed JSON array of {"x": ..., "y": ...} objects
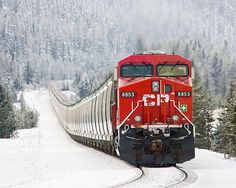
[
  {"x": 139, "y": 175},
  {"x": 158, "y": 177}
]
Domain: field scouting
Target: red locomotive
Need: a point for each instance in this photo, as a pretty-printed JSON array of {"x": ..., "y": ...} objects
[
  {"x": 154, "y": 109},
  {"x": 143, "y": 111}
]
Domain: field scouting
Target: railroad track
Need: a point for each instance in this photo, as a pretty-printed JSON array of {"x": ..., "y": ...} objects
[
  {"x": 139, "y": 175},
  {"x": 185, "y": 176},
  {"x": 190, "y": 177},
  {"x": 168, "y": 177}
]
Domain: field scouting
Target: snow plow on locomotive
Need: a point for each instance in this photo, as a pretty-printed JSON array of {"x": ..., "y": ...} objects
[{"x": 143, "y": 112}]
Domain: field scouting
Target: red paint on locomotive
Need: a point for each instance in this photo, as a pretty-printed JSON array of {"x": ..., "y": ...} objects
[{"x": 155, "y": 108}]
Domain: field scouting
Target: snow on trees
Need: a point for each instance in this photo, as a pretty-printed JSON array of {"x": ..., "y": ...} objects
[
  {"x": 7, "y": 115},
  {"x": 202, "y": 114},
  {"x": 28, "y": 74},
  {"x": 26, "y": 117},
  {"x": 225, "y": 134},
  {"x": 59, "y": 38}
]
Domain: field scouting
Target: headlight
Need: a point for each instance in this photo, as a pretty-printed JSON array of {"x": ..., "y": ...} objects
[
  {"x": 155, "y": 86},
  {"x": 175, "y": 118},
  {"x": 137, "y": 118}
]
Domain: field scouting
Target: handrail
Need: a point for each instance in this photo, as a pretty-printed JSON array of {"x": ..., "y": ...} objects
[
  {"x": 132, "y": 111},
  {"x": 190, "y": 122}
]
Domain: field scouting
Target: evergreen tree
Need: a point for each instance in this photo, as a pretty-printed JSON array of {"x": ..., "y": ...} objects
[
  {"x": 186, "y": 51},
  {"x": 84, "y": 88},
  {"x": 17, "y": 84},
  {"x": 202, "y": 114},
  {"x": 140, "y": 45},
  {"x": 216, "y": 74},
  {"x": 30, "y": 119},
  {"x": 28, "y": 74},
  {"x": 225, "y": 134},
  {"x": 22, "y": 103},
  {"x": 7, "y": 115},
  {"x": 220, "y": 137},
  {"x": 26, "y": 118}
]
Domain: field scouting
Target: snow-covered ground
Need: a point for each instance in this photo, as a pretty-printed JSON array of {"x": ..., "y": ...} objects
[
  {"x": 47, "y": 157},
  {"x": 212, "y": 169}
]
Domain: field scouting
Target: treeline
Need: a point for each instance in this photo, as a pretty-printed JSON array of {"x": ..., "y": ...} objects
[
  {"x": 219, "y": 133},
  {"x": 43, "y": 40},
  {"x": 225, "y": 133},
  {"x": 83, "y": 39},
  {"x": 14, "y": 116}
]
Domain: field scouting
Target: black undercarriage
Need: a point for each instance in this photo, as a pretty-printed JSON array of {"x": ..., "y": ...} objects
[{"x": 140, "y": 146}]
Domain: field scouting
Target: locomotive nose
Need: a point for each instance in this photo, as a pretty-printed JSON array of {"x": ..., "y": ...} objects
[{"x": 147, "y": 100}]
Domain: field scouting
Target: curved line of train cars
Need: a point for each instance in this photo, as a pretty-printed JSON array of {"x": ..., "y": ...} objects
[{"x": 143, "y": 112}]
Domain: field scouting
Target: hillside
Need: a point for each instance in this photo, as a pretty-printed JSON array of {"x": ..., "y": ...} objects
[{"x": 42, "y": 40}]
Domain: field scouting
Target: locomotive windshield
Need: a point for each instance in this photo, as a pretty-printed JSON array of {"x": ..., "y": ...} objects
[
  {"x": 136, "y": 70},
  {"x": 166, "y": 70}
]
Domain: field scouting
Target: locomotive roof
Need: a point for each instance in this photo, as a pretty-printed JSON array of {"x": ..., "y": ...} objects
[{"x": 154, "y": 57}]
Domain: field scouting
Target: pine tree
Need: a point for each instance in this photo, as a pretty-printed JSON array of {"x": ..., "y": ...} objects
[
  {"x": 225, "y": 134},
  {"x": 220, "y": 137},
  {"x": 84, "y": 88},
  {"x": 7, "y": 115},
  {"x": 26, "y": 118},
  {"x": 202, "y": 114},
  {"x": 186, "y": 51},
  {"x": 28, "y": 74},
  {"x": 216, "y": 74},
  {"x": 140, "y": 45}
]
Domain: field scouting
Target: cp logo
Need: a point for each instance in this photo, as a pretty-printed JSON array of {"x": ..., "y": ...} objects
[{"x": 152, "y": 100}]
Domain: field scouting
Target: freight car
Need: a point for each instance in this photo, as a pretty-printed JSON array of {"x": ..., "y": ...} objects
[{"x": 142, "y": 112}]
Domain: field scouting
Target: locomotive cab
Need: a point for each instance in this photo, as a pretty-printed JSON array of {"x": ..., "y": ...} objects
[{"x": 154, "y": 109}]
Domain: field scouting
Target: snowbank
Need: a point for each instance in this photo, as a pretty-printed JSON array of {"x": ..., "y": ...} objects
[{"x": 47, "y": 157}]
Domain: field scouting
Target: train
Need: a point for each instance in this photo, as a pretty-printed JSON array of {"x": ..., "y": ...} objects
[{"x": 142, "y": 113}]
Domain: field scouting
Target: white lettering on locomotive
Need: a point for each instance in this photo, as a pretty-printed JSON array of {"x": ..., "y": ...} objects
[{"x": 149, "y": 99}]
